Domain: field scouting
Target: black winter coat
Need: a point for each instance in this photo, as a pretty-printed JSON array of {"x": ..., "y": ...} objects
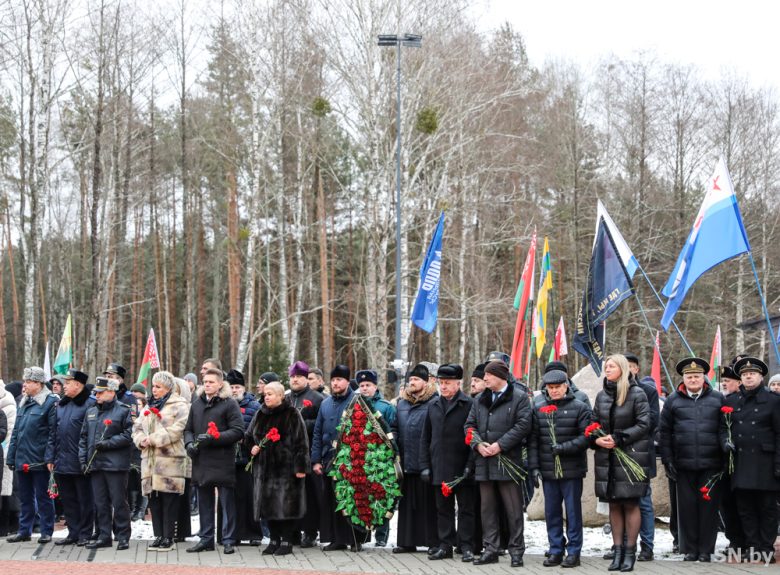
[
  {"x": 70, "y": 418},
  {"x": 629, "y": 425},
  {"x": 215, "y": 462},
  {"x": 277, "y": 493},
  {"x": 308, "y": 412},
  {"x": 755, "y": 431},
  {"x": 326, "y": 427},
  {"x": 690, "y": 430},
  {"x": 654, "y": 404},
  {"x": 249, "y": 407},
  {"x": 442, "y": 446},
  {"x": 115, "y": 439},
  {"x": 571, "y": 419},
  {"x": 508, "y": 422},
  {"x": 411, "y": 422}
]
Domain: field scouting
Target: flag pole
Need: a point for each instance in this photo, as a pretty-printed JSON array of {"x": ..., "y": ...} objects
[
  {"x": 763, "y": 305},
  {"x": 650, "y": 329},
  {"x": 663, "y": 306}
]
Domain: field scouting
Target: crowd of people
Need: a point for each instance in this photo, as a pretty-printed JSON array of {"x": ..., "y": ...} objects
[{"x": 471, "y": 453}]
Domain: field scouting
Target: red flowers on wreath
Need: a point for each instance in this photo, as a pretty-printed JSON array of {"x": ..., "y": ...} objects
[
  {"x": 307, "y": 403},
  {"x": 212, "y": 430},
  {"x": 548, "y": 409}
]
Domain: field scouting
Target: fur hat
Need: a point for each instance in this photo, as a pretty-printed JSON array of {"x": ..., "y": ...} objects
[{"x": 34, "y": 373}]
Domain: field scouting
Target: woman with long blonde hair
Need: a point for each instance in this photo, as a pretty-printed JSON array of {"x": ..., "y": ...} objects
[{"x": 622, "y": 410}]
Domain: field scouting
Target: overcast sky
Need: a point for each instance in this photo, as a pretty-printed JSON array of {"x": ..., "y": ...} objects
[{"x": 714, "y": 35}]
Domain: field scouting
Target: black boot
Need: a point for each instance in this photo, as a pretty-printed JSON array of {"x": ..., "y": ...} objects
[
  {"x": 629, "y": 559},
  {"x": 617, "y": 558}
]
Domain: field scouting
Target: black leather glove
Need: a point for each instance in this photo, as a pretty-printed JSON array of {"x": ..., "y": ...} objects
[
  {"x": 11, "y": 467},
  {"x": 467, "y": 473},
  {"x": 671, "y": 471},
  {"x": 101, "y": 445},
  {"x": 192, "y": 450},
  {"x": 425, "y": 475},
  {"x": 204, "y": 439},
  {"x": 730, "y": 447},
  {"x": 536, "y": 475},
  {"x": 557, "y": 448}
]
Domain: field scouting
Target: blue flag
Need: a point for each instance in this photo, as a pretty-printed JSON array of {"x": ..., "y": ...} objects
[
  {"x": 717, "y": 235},
  {"x": 608, "y": 285},
  {"x": 426, "y": 306}
]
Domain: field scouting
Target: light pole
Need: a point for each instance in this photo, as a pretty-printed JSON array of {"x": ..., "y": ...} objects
[{"x": 412, "y": 41}]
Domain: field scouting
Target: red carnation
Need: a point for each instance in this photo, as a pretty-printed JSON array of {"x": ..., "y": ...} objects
[
  {"x": 107, "y": 422},
  {"x": 147, "y": 412},
  {"x": 445, "y": 489},
  {"x": 156, "y": 412},
  {"x": 26, "y": 467},
  {"x": 727, "y": 409},
  {"x": 548, "y": 409},
  {"x": 273, "y": 435},
  {"x": 469, "y": 436},
  {"x": 706, "y": 497},
  {"x": 243, "y": 410},
  {"x": 703, "y": 489},
  {"x": 307, "y": 403},
  {"x": 592, "y": 428},
  {"x": 212, "y": 430}
]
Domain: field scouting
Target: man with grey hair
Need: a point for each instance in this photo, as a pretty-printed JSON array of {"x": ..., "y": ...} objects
[{"x": 31, "y": 454}]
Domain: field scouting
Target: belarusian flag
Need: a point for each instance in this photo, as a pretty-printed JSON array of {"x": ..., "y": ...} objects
[
  {"x": 655, "y": 370},
  {"x": 64, "y": 359},
  {"x": 151, "y": 360},
  {"x": 524, "y": 296},
  {"x": 715, "y": 361}
]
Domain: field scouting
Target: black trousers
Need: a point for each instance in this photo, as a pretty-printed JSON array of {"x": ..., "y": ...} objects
[
  {"x": 207, "y": 503},
  {"x": 310, "y": 522},
  {"x": 76, "y": 497},
  {"x": 247, "y": 528},
  {"x": 282, "y": 529},
  {"x": 758, "y": 512},
  {"x": 463, "y": 535},
  {"x": 673, "y": 512},
  {"x": 334, "y": 527},
  {"x": 109, "y": 489},
  {"x": 494, "y": 496},
  {"x": 732, "y": 524},
  {"x": 697, "y": 519},
  {"x": 165, "y": 508},
  {"x": 183, "y": 521}
]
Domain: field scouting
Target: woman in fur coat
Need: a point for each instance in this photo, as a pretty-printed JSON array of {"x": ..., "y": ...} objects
[{"x": 279, "y": 467}]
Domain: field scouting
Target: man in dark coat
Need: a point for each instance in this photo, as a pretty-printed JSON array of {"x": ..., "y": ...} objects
[
  {"x": 417, "y": 507},
  {"x": 646, "y": 509},
  {"x": 567, "y": 422},
  {"x": 74, "y": 488},
  {"x": 732, "y": 524},
  {"x": 445, "y": 457},
  {"x": 31, "y": 454},
  {"x": 334, "y": 527},
  {"x": 307, "y": 402},
  {"x": 755, "y": 432},
  {"x": 118, "y": 373},
  {"x": 692, "y": 453},
  {"x": 104, "y": 454},
  {"x": 247, "y": 528},
  {"x": 560, "y": 366},
  {"x": 213, "y": 457},
  {"x": 367, "y": 380},
  {"x": 501, "y": 422}
]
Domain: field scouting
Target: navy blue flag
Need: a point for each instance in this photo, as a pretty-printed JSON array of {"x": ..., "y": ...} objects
[
  {"x": 426, "y": 306},
  {"x": 608, "y": 285}
]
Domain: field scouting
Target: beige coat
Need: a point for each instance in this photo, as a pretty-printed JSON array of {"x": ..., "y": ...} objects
[{"x": 164, "y": 463}]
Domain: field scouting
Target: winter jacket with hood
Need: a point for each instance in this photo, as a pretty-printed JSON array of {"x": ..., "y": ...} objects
[
  {"x": 32, "y": 441},
  {"x": 325, "y": 428}
]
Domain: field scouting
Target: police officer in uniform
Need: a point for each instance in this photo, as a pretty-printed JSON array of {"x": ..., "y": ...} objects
[
  {"x": 755, "y": 431},
  {"x": 104, "y": 454}
]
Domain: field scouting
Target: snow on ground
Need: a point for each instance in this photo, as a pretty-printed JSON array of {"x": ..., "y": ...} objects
[{"x": 595, "y": 543}]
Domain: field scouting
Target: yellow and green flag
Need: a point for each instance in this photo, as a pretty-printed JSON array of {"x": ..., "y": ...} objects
[
  {"x": 64, "y": 359},
  {"x": 545, "y": 287}
]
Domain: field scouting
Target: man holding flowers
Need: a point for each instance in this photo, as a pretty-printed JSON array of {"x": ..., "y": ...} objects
[
  {"x": 558, "y": 457},
  {"x": 500, "y": 421},
  {"x": 692, "y": 446}
]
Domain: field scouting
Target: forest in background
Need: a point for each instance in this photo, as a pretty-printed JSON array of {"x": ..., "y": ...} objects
[{"x": 224, "y": 173}]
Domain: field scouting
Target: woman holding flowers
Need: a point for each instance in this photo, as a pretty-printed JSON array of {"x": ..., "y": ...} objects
[
  {"x": 279, "y": 447},
  {"x": 622, "y": 457},
  {"x": 159, "y": 434}
]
